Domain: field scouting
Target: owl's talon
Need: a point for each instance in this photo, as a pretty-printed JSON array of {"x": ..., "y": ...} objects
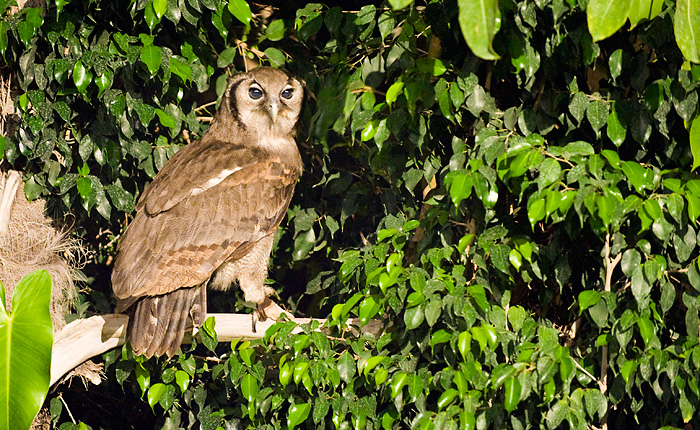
[{"x": 267, "y": 309}]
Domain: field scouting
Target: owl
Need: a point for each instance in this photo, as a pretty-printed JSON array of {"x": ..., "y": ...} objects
[{"x": 209, "y": 216}]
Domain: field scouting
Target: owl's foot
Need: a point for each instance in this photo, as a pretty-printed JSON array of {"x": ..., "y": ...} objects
[{"x": 267, "y": 309}]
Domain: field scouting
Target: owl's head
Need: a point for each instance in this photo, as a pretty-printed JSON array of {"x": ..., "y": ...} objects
[{"x": 264, "y": 100}]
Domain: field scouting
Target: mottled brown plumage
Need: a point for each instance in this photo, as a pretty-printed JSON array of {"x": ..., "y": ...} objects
[{"x": 211, "y": 213}]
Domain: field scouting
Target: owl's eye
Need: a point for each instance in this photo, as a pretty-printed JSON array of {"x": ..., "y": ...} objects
[
  {"x": 287, "y": 93},
  {"x": 255, "y": 93}
]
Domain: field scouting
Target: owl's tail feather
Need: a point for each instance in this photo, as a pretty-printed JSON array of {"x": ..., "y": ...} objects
[{"x": 157, "y": 324}]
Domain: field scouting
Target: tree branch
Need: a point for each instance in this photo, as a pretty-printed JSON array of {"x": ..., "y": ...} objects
[{"x": 83, "y": 339}]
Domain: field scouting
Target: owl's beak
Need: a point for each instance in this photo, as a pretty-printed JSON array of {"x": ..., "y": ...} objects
[{"x": 274, "y": 110}]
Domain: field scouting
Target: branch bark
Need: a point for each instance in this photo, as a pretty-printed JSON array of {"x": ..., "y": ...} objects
[{"x": 86, "y": 338}]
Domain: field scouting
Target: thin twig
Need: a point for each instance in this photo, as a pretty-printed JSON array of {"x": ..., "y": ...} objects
[{"x": 587, "y": 373}]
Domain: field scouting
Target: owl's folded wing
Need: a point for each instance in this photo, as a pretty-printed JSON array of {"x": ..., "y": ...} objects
[{"x": 192, "y": 219}]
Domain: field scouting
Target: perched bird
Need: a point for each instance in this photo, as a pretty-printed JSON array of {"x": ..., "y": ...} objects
[{"x": 210, "y": 214}]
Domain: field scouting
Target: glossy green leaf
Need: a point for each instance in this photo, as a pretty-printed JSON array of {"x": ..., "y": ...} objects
[
  {"x": 298, "y": 414},
  {"x": 646, "y": 330},
  {"x": 143, "y": 377},
  {"x": 605, "y": 17},
  {"x": 26, "y": 339},
  {"x": 695, "y": 142},
  {"x": 398, "y": 381},
  {"x": 241, "y": 10},
  {"x": 152, "y": 57},
  {"x": 638, "y": 176},
  {"x": 159, "y": 7},
  {"x": 642, "y": 10},
  {"x": 685, "y": 26},
  {"x": 81, "y": 77},
  {"x": 368, "y": 309},
  {"x": 464, "y": 343},
  {"x": 394, "y": 91},
  {"x": 461, "y": 187},
  {"x": 369, "y": 130},
  {"x": 249, "y": 387},
  {"x": 480, "y": 20},
  {"x": 627, "y": 369},
  {"x": 587, "y": 298},
  {"x": 513, "y": 390},
  {"x": 607, "y": 209},
  {"x": 155, "y": 392},
  {"x": 400, "y": 4},
  {"x": 446, "y": 398},
  {"x": 535, "y": 211},
  {"x": 182, "y": 379}
]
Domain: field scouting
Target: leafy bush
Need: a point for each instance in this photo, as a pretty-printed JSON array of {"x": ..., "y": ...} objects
[{"x": 525, "y": 228}]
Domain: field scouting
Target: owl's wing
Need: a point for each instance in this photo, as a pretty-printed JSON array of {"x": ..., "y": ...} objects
[
  {"x": 212, "y": 203},
  {"x": 195, "y": 168}
]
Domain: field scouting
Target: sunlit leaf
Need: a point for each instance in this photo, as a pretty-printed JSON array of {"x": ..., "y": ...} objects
[
  {"x": 605, "y": 17},
  {"x": 695, "y": 142},
  {"x": 480, "y": 20},
  {"x": 241, "y": 10},
  {"x": 26, "y": 338},
  {"x": 685, "y": 26}
]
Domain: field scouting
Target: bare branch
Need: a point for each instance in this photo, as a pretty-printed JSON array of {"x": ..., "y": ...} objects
[{"x": 86, "y": 338}]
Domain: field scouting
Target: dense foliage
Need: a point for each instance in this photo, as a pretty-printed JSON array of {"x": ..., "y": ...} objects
[{"x": 525, "y": 228}]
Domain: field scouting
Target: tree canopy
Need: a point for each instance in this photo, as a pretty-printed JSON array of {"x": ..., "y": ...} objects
[{"x": 507, "y": 186}]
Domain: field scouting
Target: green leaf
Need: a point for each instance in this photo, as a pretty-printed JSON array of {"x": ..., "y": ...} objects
[
  {"x": 400, "y": 4},
  {"x": 241, "y": 10},
  {"x": 607, "y": 209},
  {"x": 394, "y": 91},
  {"x": 249, "y": 387},
  {"x": 155, "y": 392},
  {"x": 433, "y": 66},
  {"x": 369, "y": 130},
  {"x": 152, "y": 57},
  {"x": 346, "y": 366},
  {"x": 686, "y": 29},
  {"x": 535, "y": 210},
  {"x": 81, "y": 77},
  {"x": 368, "y": 309},
  {"x": 480, "y": 21},
  {"x": 26, "y": 339},
  {"x": 643, "y": 10},
  {"x": 298, "y": 414},
  {"x": 413, "y": 317},
  {"x": 628, "y": 367},
  {"x": 276, "y": 57},
  {"x": 639, "y": 177},
  {"x": 440, "y": 336},
  {"x": 159, "y": 7},
  {"x": 181, "y": 68},
  {"x": 182, "y": 379},
  {"x": 605, "y": 17},
  {"x": 464, "y": 341},
  {"x": 275, "y": 30},
  {"x": 550, "y": 171},
  {"x": 513, "y": 389},
  {"x": 646, "y": 330},
  {"x": 461, "y": 187},
  {"x": 446, "y": 398},
  {"x": 4, "y": 28},
  {"x": 597, "y": 114},
  {"x": 695, "y": 142},
  {"x": 587, "y": 298},
  {"x": 84, "y": 186},
  {"x": 398, "y": 381}
]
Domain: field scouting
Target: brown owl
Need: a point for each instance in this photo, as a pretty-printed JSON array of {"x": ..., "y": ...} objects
[{"x": 211, "y": 213}]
